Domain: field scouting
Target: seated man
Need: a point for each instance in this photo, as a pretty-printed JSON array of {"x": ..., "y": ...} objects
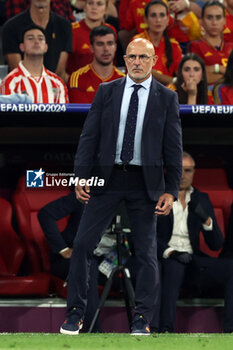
[
  {"x": 83, "y": 84},
  {"x": 31, "y": 77},
  {"x": 58, "y": 32},
  {"x": 178, "y": 237}
]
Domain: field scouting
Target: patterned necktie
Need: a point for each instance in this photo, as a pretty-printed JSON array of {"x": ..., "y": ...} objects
[{"x": 130, "y": 127}]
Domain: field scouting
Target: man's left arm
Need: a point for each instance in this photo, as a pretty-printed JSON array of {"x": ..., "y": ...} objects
[
  {"x": 61, "y": 66},
  {"x": 172, "y": 155},
  {"x": 66, "y": 49}
]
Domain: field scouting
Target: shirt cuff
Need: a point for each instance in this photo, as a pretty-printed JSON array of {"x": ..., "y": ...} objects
[
  {"x": 208, "y": 228},
  {"x": 64, "y": 250},
  {"x": 166, "y": 252}
]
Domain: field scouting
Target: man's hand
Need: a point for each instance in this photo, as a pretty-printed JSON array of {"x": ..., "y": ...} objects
[
  {"x": 198, "y": 210},
  {"x": 182, "y": 257},
  {"x": 164, "y": 204},
  {"x": 82, "y": 192},
  {"x": 67, "y": 253}
]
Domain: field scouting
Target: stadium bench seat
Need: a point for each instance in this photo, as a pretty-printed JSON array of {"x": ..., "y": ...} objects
[
  {"x": 12, "y": 253},
  {"x": 27, "y": 202}
]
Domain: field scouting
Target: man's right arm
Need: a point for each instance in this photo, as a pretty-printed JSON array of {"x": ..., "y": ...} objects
[
  {"x": 54, "y": 211},
  {"x": 89, "y": 138}
]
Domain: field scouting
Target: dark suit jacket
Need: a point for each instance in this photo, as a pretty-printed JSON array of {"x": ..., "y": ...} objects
[
  {"x": 161, "y": 138},
  {"x": 213, "y": 238}
]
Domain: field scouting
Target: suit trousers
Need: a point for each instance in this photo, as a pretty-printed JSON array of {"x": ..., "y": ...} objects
[
  {"x": 212, "y": 272},
  {"x": 98, "y": 214}
]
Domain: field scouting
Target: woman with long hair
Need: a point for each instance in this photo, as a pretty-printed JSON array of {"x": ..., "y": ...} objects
[
  {"x": 191, "y": 83},
  {"x": 167, "y": 49},
  {"x": 223, "y": 89}
]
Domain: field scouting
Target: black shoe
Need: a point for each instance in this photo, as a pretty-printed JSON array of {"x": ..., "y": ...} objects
[
  {"x": 73, "y": 324},
  {"x": 140, "y": 326}
]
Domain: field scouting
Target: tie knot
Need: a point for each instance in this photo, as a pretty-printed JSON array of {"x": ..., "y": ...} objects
[{"x": 136, "y": 87}]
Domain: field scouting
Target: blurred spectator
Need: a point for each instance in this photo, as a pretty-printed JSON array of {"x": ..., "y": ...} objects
[
  {"x": 62, "y": 8},
  {"x": 183, "y": 26},
  {"x": 228, "y": 28},
  {"x": 223, "y": 89},
  {"x": 191, "y": 84},
  {"x": 211, "y": 47},
  {"x": 180, "y": 254},
  {"x": 95, "y": 12},
  {"x": 31, "y": 77},
  {"x": 58, "y": 36},
  {"x": 168, "y": 50},
  {"x": 83, "y": 84},
  {"x": 111, "y": 13}
]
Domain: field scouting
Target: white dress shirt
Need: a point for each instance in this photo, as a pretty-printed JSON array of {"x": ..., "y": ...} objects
[{"x": 180, "y": 236}]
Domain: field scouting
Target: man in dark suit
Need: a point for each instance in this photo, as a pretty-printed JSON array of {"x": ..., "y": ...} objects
[
  {"x": 131, "y": 133},
  {"x": 179, "y": 249},
  {"x": 60, "y": 243}
]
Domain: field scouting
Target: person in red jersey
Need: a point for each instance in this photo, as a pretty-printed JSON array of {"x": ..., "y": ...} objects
[
  {"x": 168, "y": 50},
  {"x": 191, "y": 84},
  {"x": 30, "y": 76},
  {"x": 133, "y": 21},
  {"x": 228, "y": 28},
  {"x": 211, "y": 47},
  {"x": 83, "y": 84},
  {"x": 95, "y": 11},
  {"x": 223, "y": 89}
]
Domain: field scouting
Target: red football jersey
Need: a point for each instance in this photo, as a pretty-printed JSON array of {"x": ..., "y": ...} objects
[
  {"x": 211, "y": 55},
  {"x": 225, "y": 95},
  {"x": 83, "y": 84},
  {"x": 160, "y": 65},
  {"x": 228, "y": 28},
  {"x": 82, "y": 53}
]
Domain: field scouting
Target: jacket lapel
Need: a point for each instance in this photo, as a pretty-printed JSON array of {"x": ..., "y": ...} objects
[{"x": 117, "y": 94}]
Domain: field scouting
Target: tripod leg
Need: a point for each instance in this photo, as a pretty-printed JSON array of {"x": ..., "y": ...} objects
[
  {"x": 103, "y": 298},
  {"x": 129, "y": 287},
  {"x": 128, "y": 294}
]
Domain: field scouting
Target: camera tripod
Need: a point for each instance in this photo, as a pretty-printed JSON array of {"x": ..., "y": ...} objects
[{"x": 123, "y": 273}]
